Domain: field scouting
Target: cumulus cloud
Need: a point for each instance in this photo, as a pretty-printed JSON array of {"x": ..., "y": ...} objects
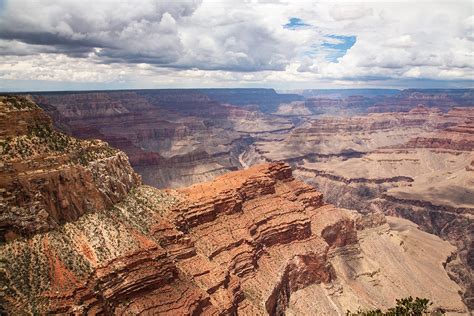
[
  {"x": 349, "y": 12},
  {"x": 180, "y": 34},
  {"x": 121, "y": 30},
  {"x": 283, "y": 43},
  {"x": 402, "y": 39}
]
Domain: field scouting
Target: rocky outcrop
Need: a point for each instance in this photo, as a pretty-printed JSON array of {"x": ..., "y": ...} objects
[
  {"x": 48, "y": 178},
  {"x": 245, "y": 243}
]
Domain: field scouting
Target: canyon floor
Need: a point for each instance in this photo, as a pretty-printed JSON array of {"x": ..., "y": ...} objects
[{"x": 307, "y": 223}]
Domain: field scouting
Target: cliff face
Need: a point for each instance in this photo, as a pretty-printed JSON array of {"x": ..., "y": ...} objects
[
  {"x": 416, "y": 165},
  {"x": 457, "y": 137},
  {"x": 420, "y": 170},
  {"x": 255, "y": 241},
  {"x": 173, "y": 138},
  {"x": 245, "y": 243},
  {"x": 48, "y": 178},
  {"x": 443, "y": 99}
]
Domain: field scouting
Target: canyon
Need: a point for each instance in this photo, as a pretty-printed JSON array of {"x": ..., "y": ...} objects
[
  {"x": 333, "y": 192},
  {"x": 173, "y": 138},
  {"x": 406, "y": 153},
  {"x": 82, "y": 235},
  {"x": 212, "y": 157},
  {"x": 415, "y": 165}
]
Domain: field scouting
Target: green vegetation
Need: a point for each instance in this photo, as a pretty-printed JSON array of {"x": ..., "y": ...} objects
[
  {"x": 18, "y": 103},
  {"x": 85, "y": 155},
  {"x": 43, "y": 139},
  {"x": 54, "y": 140},
  {"x": 6, "y": 147},
  {"x": 139, "y": 208},
  {"x": 404, "y": 307}
]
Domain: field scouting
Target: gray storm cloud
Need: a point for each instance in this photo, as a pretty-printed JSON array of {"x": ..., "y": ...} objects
[
  {"x": 151, "y": 32},
  {"x": 119, "y": 29}
]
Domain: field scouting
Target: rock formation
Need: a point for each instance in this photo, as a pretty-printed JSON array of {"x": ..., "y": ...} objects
[
  {"x": 48, "y": 178},
  {"x": 383, "y": 161},
  {"x": 255, "y": 241},
  {"x": 173, "y": 137},
  {"x": 416, "y": 165}
]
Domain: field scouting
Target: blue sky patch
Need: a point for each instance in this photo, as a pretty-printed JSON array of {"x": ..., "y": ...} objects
[
  {"x": 295, "y": 23},
  {"x": 333, "y": 48},
  {"x": 340, "y": 42}
]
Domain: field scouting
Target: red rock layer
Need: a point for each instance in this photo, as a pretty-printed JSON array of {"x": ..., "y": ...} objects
[
  {"x": 457, "y": 137},
  {"x": 242, "y": 243}
]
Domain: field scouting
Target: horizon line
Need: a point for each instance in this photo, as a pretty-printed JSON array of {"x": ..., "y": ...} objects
[{"x": 220, "y": 88}]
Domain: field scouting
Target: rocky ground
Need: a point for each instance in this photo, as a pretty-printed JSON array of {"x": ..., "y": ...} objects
[{"x": 255, "y": 241}]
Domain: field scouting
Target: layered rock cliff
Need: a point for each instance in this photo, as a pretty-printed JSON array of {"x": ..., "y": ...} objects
[
  {"x": 459, "y": 136},
  {"x": 48, "y": 178},
  {"x": 255, "y": 241},
  {"x": 173, "y": 138},
  {"x": 443, "y": 99},
  {"x": 416, "y": 164},
  {"x": 424, "y": 176}
]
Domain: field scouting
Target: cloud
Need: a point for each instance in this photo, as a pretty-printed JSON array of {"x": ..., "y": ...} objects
[
  {"x": 401, "y": 40},
  {"x": 181, "y": 34},
  {"x": 349, "y": 12},
  {"x": 236, "y": 42},
  {"x": 120, "y": 30}
]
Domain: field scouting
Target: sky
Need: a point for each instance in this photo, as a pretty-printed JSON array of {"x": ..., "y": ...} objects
[{"x": 130, "y": 44}]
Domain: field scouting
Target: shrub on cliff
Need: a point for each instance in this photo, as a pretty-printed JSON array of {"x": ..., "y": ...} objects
[{"x": 404, "y": 307}]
